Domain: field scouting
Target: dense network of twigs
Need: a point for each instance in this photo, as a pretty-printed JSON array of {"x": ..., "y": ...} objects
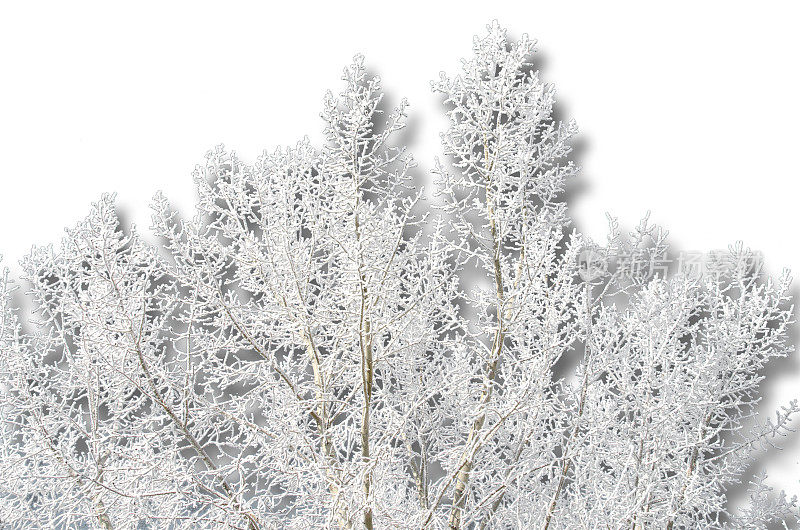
[{"x": 323, "y": 346}]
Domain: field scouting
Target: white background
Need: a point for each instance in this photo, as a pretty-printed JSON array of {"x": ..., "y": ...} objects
[{"x": 690, "y": 110}]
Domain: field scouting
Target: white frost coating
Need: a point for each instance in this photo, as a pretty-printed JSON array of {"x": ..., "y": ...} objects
[{"x": 310, "y": 350}]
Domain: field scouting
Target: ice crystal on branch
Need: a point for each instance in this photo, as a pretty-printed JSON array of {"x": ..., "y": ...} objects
[{"x": 318, "y": 347}]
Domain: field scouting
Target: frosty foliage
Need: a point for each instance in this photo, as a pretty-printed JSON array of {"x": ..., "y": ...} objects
[{"x": 323, "y": 346}]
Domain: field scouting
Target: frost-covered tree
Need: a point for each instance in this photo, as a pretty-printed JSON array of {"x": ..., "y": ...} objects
[{"x": 322, "y": 345}]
